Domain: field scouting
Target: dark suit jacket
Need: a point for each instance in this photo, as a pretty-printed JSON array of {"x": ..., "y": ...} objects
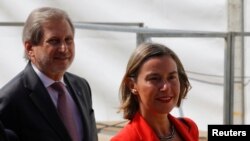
[
  {"x": 3, "y": 136},
  {"x": 27, "y": 109},
  {"x": 6, "y": 134}
]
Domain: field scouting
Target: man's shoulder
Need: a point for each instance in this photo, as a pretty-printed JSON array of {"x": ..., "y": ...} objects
[
  {"x": 73, "y": 76},
  {"x": 13, "y": 83},
  {"x": 76, "y": 79}
]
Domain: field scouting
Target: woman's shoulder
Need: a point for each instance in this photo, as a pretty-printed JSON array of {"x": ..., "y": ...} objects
[
  {"x": 186, "y": 126},
  {"x": 191, "y": 126},
  {"x": 189, "y": 123},
  {"x": 136, "y": 130},
  {"x": 124, "y": 134}
]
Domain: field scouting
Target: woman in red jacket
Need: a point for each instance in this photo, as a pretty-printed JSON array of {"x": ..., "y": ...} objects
[{"x": 154, "y": 83}]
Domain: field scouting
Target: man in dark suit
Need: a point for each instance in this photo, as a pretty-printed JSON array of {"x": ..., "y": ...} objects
[{"x": 28, "y": 103}]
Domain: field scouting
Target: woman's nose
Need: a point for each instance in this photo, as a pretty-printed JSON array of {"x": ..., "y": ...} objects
[{"x": 164, "y": 85}]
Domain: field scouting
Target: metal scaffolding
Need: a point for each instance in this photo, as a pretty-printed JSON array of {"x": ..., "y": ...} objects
[{"x": 143, "y": 34}]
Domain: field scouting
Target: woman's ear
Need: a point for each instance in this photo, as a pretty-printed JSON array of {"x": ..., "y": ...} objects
[{"x": 131, "y": 83}]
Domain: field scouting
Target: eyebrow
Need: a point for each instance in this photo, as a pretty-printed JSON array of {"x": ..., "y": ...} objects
[{"x": 173, "y": 72}]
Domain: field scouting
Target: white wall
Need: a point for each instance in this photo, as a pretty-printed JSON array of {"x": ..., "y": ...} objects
[{"x": 101, "y": 57}]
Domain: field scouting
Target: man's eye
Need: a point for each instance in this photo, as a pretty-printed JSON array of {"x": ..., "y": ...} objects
[
  {"x": 69, "y": 40},
  {"x": 54, "y": 42}
]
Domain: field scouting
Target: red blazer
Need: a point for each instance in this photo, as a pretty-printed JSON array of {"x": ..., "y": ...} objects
[{"x": 138, "y": 130}]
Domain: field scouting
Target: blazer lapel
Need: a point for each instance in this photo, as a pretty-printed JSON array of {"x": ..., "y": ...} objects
[
  {"x": 76, "y": 92},
  {"x": 181, "y": 128},
  {"x": 41, "y": 99},
  {"x": 143, "y": 130}
]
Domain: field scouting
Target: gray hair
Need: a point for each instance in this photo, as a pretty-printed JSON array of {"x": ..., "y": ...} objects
[{"x": 33, "y": 30}]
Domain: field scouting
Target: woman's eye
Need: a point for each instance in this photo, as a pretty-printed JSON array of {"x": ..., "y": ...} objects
[
  {"x": 173, "y": 78},
  {"x": 155, "y": 79}
]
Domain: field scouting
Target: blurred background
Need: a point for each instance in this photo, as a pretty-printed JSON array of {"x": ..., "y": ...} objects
[{"x": 210, "y": 37}]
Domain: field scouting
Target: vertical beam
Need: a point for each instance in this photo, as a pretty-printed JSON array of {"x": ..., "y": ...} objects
[
  {"x": 139, "y": 39},
  {"x": 236, "y": 24},
  {"x": 228, "y": 80},
  {"x": 142, "y": 37}
]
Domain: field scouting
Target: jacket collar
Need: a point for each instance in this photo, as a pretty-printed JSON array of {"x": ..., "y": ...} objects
[
  {"x": 144, "y": 131},
  {"x": 41, "y": 99}
]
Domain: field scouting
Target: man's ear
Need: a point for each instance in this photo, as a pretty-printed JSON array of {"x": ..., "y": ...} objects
[{"x": 29, "y": 49}]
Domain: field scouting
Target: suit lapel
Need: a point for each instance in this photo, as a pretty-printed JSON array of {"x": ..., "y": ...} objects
[
  {"x": 76, "y": 92},
  {"x": 41, "y": 99}
]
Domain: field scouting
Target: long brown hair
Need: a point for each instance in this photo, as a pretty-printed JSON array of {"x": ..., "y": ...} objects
[{"x": 145, "y": 51}]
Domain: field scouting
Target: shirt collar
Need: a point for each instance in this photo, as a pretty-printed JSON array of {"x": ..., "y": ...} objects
[{"x": 44, "y": 78}]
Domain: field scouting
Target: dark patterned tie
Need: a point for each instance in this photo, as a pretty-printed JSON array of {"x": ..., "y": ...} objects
[{"x": 65, "y": 112}]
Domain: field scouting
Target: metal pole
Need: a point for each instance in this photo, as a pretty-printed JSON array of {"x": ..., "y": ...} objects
[
  {"x": 228, "y": 80},
  {"x": 236, "y": 24}
]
